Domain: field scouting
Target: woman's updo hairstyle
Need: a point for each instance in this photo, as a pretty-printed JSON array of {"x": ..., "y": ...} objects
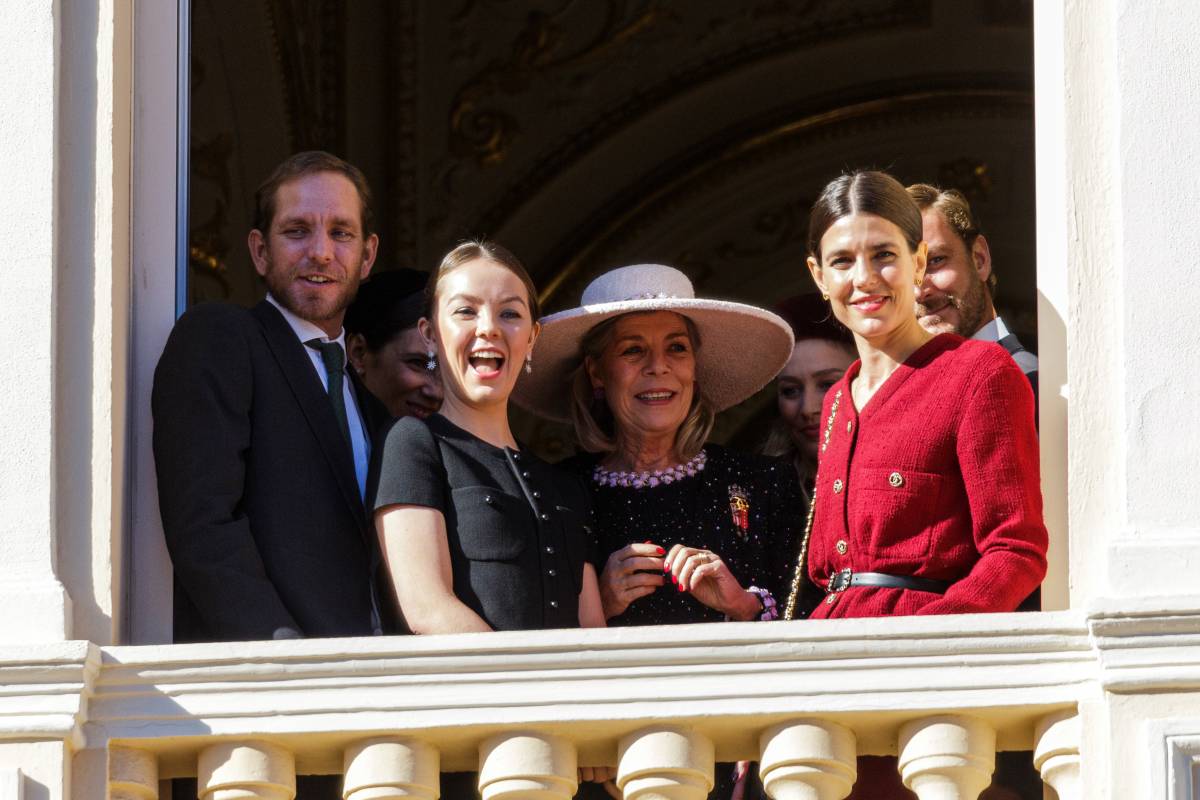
[
  {"x": 488, "y": 251},
  {"x": 864, "y": 192}
]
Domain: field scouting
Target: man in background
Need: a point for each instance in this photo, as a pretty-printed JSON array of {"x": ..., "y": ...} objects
[{"x": 959, "y": 286}]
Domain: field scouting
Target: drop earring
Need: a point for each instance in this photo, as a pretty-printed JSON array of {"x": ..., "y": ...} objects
[
  {"x": 825, "y": 297},
  {"x": 431, "y": 364},
  {"x": 529, "y": 363}
]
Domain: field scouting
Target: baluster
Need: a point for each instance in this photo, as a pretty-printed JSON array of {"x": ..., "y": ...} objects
[
  {"x": 665, "y": 763},
  {"x": 947, "y": 757},
  {"x": 246, "y": 769},
  {"x": 808, "y": 759},
  {"x": 514, "y": 766},
  {"x": 383, "y": 769},
  {"x": 1056, "y": 754},
  {"x": 132, "y": 774}
]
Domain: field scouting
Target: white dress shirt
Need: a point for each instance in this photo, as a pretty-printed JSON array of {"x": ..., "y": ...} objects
[
  {"x": 996, "y": 330},
  {"x": 306, "y": 331}
]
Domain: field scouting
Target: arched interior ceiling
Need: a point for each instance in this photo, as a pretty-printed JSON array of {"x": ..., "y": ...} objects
[{"x": 585, "y": 134}]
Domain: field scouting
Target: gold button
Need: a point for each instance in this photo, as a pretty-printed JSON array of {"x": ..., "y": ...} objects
[
  {"x": 896, "y": 479},
  {"x": 849, "y": 425},
  {"x": 842, "y": 546},
  {"x": 837, "y": 486}
]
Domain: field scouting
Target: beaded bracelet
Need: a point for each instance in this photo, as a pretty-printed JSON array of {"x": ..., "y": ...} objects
[{"x": 770, "y": 610}]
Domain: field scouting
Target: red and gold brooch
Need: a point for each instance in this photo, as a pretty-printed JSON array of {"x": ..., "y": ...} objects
[{"x": 739, "y": 507}]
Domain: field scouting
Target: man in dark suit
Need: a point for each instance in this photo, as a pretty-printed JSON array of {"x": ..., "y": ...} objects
[
  {"x": 957, "y": 292},
  {"x": 262, "y": 437}
]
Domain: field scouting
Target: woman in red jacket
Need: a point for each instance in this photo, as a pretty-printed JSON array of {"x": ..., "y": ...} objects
[{"x": 928, "y": 498}]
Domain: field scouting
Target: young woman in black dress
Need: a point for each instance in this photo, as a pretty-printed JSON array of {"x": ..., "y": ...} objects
[{"x": 477, "y": 533}]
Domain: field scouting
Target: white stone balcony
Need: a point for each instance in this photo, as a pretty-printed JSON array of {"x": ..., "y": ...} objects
[{"x": 661, "y": 704}]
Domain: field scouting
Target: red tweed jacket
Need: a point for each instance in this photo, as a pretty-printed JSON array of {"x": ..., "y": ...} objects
[{"x": 937, "y": 477}]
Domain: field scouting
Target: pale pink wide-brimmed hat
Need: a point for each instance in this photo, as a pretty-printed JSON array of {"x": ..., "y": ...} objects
[{"x": 742, "y": 347}]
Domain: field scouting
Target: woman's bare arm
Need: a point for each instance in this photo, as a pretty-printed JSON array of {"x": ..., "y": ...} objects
[
  {"x": 591, "y": 610},
  {"x": 413, "y": 540}
]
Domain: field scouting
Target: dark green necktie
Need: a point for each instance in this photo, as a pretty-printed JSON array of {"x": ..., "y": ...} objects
[{"x": 334, "y": 359}]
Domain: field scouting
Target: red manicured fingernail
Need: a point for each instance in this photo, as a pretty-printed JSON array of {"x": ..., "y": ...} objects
[
  {"x": 648, "y": 541},
  {"x": 674, "y": 579},
  {"x": 666, "y": 568},
  {"x": 681, "y": 588},
  {"x": 660, "y": 550}
]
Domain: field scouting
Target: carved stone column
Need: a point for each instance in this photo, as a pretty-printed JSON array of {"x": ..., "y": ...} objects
[
  {"x": 808, "y": 759},
  {"x": 244, "y": 770},
  {"x": 383, "y": 769},
  {"x": 665, "y": 763},
  {"x": 947, "y": 757},
  {"x": 132, "y": 774},
  {"x": 1056, "y": 754},
  {"x": 527, "y": 764}
]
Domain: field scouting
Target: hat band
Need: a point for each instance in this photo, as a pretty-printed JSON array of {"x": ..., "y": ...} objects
[{"x": 653, "y": 296}]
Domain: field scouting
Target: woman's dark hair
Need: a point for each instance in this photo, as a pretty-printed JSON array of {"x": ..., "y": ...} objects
[
  {"x": 489, "y": 251},
  {"x": 864, "y": 192},
  {"x": 810, "y": 318},
  {"x": 387, "y": 304}
]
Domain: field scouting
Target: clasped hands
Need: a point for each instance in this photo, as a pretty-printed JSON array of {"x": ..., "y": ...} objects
[{"x": 637, "y": 570}]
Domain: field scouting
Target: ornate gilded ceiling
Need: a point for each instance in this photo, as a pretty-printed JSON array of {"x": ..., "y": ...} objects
[{"x": 589, "y": 133}]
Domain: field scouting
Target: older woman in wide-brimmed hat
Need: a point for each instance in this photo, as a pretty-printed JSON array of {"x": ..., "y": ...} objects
[{"x": 688, "y": 530}]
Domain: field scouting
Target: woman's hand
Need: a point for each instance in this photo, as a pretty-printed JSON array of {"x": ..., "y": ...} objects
[
  {"x": 633, "y": 571},
  {"x": 707, "y": 577}
]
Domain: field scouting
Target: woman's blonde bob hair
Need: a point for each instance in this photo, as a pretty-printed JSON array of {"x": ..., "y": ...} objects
[{"x": 595, "y": 425}]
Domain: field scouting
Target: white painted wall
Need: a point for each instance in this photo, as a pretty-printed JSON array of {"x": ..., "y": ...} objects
[{"x": 36, "y": 607}]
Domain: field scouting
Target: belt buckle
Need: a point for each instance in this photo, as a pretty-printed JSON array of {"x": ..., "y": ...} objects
[{"x": 840, "y": 581}]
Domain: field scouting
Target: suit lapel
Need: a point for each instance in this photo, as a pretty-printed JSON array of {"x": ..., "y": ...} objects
[
  {"x": 1011, "y": 344},
  {"x": 313, "y": 401}
]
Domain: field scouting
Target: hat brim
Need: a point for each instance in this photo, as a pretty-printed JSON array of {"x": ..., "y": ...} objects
[{"x": 742, "y": 347}]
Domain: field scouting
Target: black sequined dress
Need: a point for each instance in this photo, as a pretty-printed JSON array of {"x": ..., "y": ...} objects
[{"x": 698, "y": 511}]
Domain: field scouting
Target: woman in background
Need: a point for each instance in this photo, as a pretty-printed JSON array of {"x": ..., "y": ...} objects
[
  {"x": 384, "y": 346},
  {"x": 823, "y": 351}
]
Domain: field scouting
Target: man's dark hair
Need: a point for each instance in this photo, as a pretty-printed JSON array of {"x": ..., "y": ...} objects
[
  {"x": 956, "y": 210},
  {"x": 310, "y": 162}
]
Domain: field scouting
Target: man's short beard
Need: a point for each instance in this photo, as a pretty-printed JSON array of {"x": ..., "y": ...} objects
[{"x": 972, "y": 307}]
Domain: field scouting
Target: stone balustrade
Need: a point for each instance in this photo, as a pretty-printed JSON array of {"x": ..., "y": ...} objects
[{"x": 659, "y": 705}]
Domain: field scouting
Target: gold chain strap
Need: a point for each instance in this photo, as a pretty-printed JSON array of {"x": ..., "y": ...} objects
[{"x": 798, "y": 575}]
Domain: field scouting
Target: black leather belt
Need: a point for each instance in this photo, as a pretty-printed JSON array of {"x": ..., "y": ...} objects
[{"x": 843, "y": 580}]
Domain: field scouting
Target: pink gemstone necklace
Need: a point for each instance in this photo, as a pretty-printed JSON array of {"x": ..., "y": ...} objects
[{"x": 638, "y": 480}]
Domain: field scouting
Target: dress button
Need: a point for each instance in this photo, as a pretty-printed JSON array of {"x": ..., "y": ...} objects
[
  {"x": 842, "y": 546},
  {"x": 488, "y": 499},
  {"x": 554, "y": 604},
  {"x": 837, "y": 486},
  {"x": 525, "y": 474},
  {"x": 849, "y": 426},
  {"x": 896, "y": 479},
  {"x": 549, "y": 549},
  {"x": 516, "y": 456},
  {"x": 536, "y": 494},
  {"x": 551, "y": 572},
  {"x": 545, "y": 517}
]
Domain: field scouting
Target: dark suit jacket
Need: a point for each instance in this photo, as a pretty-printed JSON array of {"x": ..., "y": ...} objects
[{"x": 259, "y": 501}]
